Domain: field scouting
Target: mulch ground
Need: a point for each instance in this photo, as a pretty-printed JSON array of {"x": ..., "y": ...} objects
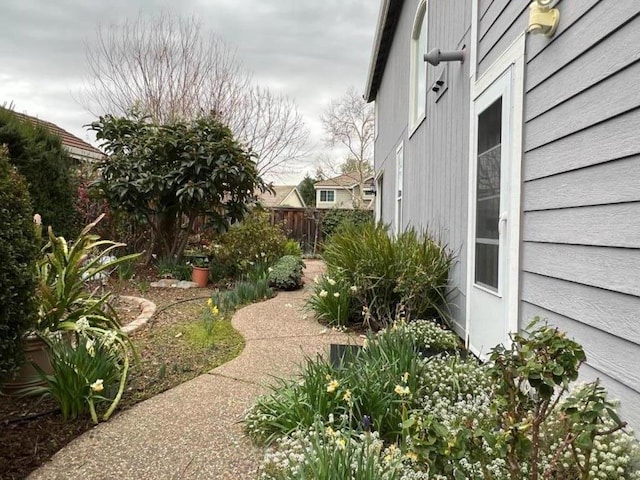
[{"x": 172, "y": 349}]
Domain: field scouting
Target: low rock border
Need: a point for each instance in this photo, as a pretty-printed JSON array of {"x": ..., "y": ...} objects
[{"x": 147, "y": 309}]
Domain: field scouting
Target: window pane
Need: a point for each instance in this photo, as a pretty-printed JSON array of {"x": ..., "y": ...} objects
[{"x": 488, "y": 196}]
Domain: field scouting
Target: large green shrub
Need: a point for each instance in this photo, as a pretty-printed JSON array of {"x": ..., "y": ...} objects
[
  {"x": 334, "y": 220},
  {"x": 286, "y": 273},
  {"x": 254, "y": 240},
  {"x": 405, "y": 275},
  {"x": 18, "y": 252},
  {"x": 49, "y": 171}
]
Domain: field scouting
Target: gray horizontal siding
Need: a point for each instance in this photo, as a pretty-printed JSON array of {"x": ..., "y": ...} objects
[
  {"x": 612, "y": 182},
  {"x": 598, "y": 63},
  {"x": 581, "y": 191},
  {"x": 615, "y": 225},
  {"x": 616, "y": 138},
  {"x": 614, "y": 269},
  {"x": 592, "y": 28},
  {"x": 587, "y": 109}
]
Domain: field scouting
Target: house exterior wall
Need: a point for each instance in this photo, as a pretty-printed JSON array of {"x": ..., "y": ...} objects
[
  {"x": 292, "y": 200},
  {"x": 436, "y": 153},
  {"x": 580, "y": 238},
  {"x": 581, "y": 187},
  {"x": 343, "y": 199}
]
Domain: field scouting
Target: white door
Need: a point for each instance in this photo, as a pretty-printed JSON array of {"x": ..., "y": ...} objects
[{"x": 494, "y": 209}]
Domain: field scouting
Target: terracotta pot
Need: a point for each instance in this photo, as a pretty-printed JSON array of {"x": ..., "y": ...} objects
[
  {"x": 200, "y": 275},
  {"x": 36, "y": 351}
]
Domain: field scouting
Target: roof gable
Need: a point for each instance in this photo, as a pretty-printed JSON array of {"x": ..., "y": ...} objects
[
  {"x": 347, "y": 181},
  {"x": 280, "y": 195}
]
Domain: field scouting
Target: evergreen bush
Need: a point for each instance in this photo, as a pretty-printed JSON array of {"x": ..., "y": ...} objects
[
  {"x": 18, "y": 252},
  {"x": 40, "y": 157}
]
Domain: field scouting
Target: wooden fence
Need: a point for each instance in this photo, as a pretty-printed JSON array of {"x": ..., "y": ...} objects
[{"x": 301, "y": 224}]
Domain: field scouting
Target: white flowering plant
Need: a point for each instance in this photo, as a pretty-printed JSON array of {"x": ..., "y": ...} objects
[
  {"x": 332, "y": 300},
  {"x": 87, "y": 373},
  {"x": 448, "y": 416}
]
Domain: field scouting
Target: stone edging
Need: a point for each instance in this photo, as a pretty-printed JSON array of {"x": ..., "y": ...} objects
[{"x": 147, "y": 308}]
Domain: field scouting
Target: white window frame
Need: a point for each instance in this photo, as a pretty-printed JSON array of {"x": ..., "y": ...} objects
[
  {"x": 379, "y": 182},
  {"x": 399, "y": 187},
  {"x": 327, "y": 191},
  {"x": 417, "y": 113}
]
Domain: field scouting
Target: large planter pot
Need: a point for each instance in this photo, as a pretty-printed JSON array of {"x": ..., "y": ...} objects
[
  {"x": 36, "y": 351},
  {"x": 200, "y": 275}
]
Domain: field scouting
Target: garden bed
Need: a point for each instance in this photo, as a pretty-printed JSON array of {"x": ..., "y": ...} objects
[{"x": 173, "y": 349}]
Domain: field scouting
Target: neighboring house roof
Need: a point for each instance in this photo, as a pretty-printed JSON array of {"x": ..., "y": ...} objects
[
  {"x": 348, "y": 181},
  {"x": 387, "y": 22},
  {"x": 76, "y": 147},
  {"x": 282, "y": 196}
]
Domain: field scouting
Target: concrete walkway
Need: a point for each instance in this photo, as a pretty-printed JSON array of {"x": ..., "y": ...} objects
[{"x": 193, "y": 430}]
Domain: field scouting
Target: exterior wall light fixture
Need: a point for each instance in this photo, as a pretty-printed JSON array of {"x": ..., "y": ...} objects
[
  {"x": 435, "y": 56},
  {"x": 543, "y": 18}
]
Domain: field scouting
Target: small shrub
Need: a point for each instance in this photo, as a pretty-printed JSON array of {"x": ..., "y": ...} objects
[
  {"x": 173, "y": 267},
  {"x": 292, "y": 247},
  {"x": 253, "y": 240},
  {"x": 18, "y": 249},
  {"x": 286, "y": 273}
]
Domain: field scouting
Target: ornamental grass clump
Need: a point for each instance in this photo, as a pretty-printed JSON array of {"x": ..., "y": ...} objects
[{"x": 408, "y": 272}]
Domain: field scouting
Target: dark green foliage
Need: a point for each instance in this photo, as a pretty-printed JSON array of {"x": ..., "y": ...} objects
[
  {"x": 18, "y": 252},
  {"x": 286, "y": 273},
  {"x": 254, "y": 240},
  {"x": 42, "y": 160},
  {"x": 307, "y": 192},
  {"x": 334, "y": 220},
  {"x": 171, "y": 175},
  {"x": 402, "y": 276}
]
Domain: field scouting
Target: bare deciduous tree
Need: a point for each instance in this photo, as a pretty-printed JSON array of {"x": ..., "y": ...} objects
[
  {"x": 349, "y": 122},
  {"x": 169, "y": 68}
]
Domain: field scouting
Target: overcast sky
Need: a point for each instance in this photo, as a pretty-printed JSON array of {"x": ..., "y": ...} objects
[{"x": 311, "y": 50}]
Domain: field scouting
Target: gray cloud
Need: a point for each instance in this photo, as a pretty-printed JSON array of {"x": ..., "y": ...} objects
[{"x": 310, "y": 50}]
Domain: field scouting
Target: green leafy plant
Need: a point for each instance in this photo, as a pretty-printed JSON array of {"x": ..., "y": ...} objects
[
  {"x": 286, "y": 273},
  {"x": 243, "y": 293},
  {"x": 254, "y": 240},
  {"x": 87, "y": 372},
  {"x": 18, "y": 249},
  {"x": 63, "y": 297},
  {"x": 292, "y": 247},
  {"x": 174, "y": 173},
  {"x": 408, "y": 273},
  {"x": 335, "y": 220}
]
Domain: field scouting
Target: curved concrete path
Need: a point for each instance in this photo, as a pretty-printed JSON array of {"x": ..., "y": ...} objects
[{"x": 193, "y": 430}]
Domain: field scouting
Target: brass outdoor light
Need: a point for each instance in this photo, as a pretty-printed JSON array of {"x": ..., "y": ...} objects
[{"x": 543, "y": 18}]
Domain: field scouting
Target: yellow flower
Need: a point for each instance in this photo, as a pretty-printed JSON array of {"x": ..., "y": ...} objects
[
  {"x": 402, "y": 391},
  {"x": 347, "y": 396},
  {"x": 214, "y": 309},
  {"x": 405, "y": 377},
  {"x": 323, "y": 293},
  {"x": 341, "y": 443},
  {"x": 332, "y": 385},
  {"x": 412, "y": 456},
  {"x": 209, "y": 303}
]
